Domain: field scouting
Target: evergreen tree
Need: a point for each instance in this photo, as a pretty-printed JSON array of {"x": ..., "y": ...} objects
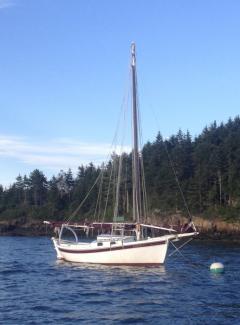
[
  {"x": 206, "y": 168},
  {"x": 38, "y": 187},
  {"x": 19, "y": 185}
]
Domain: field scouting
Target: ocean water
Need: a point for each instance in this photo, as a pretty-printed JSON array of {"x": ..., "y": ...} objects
[{"x": 35, "y": 288}]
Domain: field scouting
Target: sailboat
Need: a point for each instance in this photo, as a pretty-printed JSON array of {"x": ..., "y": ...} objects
[{"x": 123, "y": 243}]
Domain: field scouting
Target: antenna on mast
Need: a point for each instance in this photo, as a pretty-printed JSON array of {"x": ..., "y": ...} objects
[{"x": 133, "y": 50}]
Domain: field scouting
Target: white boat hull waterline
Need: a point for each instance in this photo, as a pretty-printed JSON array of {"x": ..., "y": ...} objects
[{"x": 151, "y": 251}]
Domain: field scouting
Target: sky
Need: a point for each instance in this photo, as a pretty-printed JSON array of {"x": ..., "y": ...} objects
[{"x": 64, "y": 71}]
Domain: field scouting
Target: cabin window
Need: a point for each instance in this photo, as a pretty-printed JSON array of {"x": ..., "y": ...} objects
[
  {"x": 112, "y": 243},
  {"x": 99, "y": 244}
]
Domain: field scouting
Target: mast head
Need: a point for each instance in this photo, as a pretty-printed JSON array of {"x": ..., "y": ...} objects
[{"x": 133, "y": 50}]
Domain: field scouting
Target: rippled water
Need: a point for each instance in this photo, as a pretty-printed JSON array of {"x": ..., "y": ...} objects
[{"x": 35, "y": 288}]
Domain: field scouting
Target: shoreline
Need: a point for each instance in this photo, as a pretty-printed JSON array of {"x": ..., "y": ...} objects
[{"x": 214, "y": 231}]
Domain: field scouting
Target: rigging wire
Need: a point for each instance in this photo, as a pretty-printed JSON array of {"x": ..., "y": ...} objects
[
  {"x": 83, "y": 201},
  {"x": 116, "y": 208},
  {"x": 174, "y": 171},
  {"x": 144, "y": 189},
  {"x": 108, "y": 192},
  {"x": 114, "y": 149},
  {"x": 98, "y": 204},
  {"x": 196, "y": 265}
]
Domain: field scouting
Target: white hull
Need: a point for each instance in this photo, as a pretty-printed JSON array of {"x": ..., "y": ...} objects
[{"x": 144, "y": 252}]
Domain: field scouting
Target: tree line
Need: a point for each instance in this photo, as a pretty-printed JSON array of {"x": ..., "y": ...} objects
[{"x": 200, "y": 174}]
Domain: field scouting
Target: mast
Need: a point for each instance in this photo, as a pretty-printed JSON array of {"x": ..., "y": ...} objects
[{"x": 135, "y": 159}]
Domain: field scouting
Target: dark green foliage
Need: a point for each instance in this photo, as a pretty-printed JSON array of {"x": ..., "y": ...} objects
[
  {"x": 38, "y": 187},
  {"x": 207, "y": 169}
]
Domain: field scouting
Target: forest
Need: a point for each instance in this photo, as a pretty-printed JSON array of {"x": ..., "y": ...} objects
[{"x": 204, "y": 170}]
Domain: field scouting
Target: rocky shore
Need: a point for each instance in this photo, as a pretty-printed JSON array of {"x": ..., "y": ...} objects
[
  {"x": 213, "y": 229},
  {"x": 217, "y": 229},
  {"x": 24, "y": 227}
]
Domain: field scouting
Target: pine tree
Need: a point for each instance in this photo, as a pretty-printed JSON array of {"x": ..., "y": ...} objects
[{"x": 38, "y": 187}]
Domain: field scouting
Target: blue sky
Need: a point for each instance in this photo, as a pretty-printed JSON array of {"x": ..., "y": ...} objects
[{"x": 64, "y": 69}]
